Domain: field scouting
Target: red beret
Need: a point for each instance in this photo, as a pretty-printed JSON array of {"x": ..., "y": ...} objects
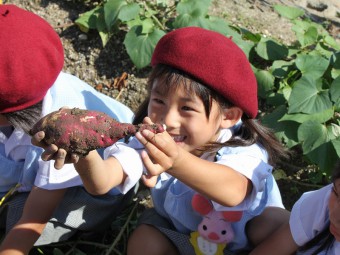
[
  {"x": 213, "y": 59},
  {"x": 31, "y": 57}
]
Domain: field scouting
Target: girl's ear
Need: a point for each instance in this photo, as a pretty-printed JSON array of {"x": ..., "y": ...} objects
[{"x": 231, "y": 116}]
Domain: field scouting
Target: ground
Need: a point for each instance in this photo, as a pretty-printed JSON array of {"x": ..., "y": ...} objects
[{"x": 87, "y": 59}]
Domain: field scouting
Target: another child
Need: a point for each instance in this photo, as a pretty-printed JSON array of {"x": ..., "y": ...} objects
[
  {"x": 32, "y": 85},
  {"x": 203, "y": 89},
  {"x": 314, "y": 226}
]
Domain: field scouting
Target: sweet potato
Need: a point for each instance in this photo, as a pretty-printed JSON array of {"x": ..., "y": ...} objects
[{"x": 80, "y": 131}]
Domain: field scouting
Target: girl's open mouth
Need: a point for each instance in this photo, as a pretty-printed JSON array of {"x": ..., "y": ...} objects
[{"x": 178, "y": 138}]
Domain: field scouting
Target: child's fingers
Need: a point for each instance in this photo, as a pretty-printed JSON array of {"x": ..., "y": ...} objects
[
  {"x": 49, "y": 153},
  {"x": 153, "y": 168},
  {"x": 147, "y": 120},
  {"x": 60, "y": 159},
  {"x": 161, "y": 147},
  {"x": 149, "y": 181},
  {"x": 37, "y": 139}
]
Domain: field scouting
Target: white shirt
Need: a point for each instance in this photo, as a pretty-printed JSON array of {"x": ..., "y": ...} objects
[{"x": 309, "y": 217}]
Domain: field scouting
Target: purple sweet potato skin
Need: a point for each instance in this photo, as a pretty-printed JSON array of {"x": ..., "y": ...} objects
[{"x": 80, "y": 131}]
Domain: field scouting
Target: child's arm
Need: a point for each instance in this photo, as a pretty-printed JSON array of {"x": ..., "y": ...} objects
[
  {"x": 280, "y": 243},
  {"x": 98, "y": 175},
  {"x": 218, "y": 182},
  {"x": 38, "y": 209}
]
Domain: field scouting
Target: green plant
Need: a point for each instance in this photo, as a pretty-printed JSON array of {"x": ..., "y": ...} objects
[
  {"x": 298, "y": 84},
  {"x": 302, "y": 84},
  {"x": 145, "y": 22}
]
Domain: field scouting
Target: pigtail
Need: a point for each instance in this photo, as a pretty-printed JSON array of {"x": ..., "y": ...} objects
[{"x": 254, "y": 132}]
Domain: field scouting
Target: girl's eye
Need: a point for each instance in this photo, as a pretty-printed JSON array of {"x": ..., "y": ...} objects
[
  {"x": 187, "y": 108},
  {"x": 157, "y": 100}
]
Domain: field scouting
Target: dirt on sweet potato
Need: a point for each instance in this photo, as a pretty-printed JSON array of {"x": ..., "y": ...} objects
[{"x": 80, "y": 131}]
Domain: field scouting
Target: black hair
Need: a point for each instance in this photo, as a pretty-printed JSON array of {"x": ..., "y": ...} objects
[
  {"x": 325, "y": 238},
  {"x": 26, "y": 118},
  {"x": 251, "y": 131}
]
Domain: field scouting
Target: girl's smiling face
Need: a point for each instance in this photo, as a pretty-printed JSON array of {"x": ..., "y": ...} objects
[
  {"x": 185, "y": 117},
  {"x": 334, "y": 210}
]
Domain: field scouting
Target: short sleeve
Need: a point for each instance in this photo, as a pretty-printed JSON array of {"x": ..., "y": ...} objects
[
  {"x": 130, "y": 161},
  {"x": 251, "y": 162},
  {"x": 309, "y": 215}
]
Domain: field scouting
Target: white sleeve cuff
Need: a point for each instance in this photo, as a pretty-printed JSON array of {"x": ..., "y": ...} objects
[{"x": 130, "y": 161}]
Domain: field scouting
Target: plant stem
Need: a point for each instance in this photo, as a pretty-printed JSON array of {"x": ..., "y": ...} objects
[{"x": 122, "y": 229}]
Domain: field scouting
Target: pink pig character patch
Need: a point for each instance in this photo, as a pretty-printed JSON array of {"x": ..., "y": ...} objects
[{"x": 215, "y": 230}]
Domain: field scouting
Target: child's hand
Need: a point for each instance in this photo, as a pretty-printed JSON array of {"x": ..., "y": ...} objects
[
  {"x": 52, "y": 152},
  {"x": 149, "y": 181},
  {"x": 161, "y": 152}
]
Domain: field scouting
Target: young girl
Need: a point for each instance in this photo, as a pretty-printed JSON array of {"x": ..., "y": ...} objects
[
  {"x": 314, "y": 226},
  {"x": 48, "y": 205},
  {"x": 203, "y": 89}
]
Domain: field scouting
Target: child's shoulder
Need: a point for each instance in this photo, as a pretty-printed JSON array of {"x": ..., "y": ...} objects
[
  {"x": 316, "y": 197},
  {"x": 253, "y": 150}
]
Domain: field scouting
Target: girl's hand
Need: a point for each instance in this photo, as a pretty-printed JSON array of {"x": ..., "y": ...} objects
[
  {"x": 162, "y": 152},
  {"x": 52, "y": 152},
  {"x": 149, "y": 181}
]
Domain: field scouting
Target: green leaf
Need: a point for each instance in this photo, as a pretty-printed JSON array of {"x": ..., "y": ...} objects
[
  {"x": 312, "y": 65},
  {"x": 336, "y": 144},
  {"x": 270, "y": 50},
  {"x": 265, "y": 81},
  {"x": 287, "y": 91},
  {"x": 192, "y": 13},
  {"x": 193, "y": 7},
  {"x": 275, "y": 99},
  {"x": 331, "y": 42},
  {"x": 320, "y": 117},
  {"x": 186, "y": 20},
  {"x": 222, "y": 26},
  {"x": 288, "y": 12},
  {"x": 286, "y": 131},
  {"x": 135, "y": 22},
  {"x": 281, "y": 68},
  {"x": 111, "y": 12},
  {"x": 325, "y": 156},
  {"x": 312, "y": 134},
  {"x": 309, "y": 37},
  {"x": 141, "y": 46},
  {"x": 335, "y": 130},
  {"x": 335, "y": 63},
  {"x": 248, "y": 35},
  {"x": 306, "y": 32},
  {"x": 335, "y": 91},
  {"x": 104, "y": 36},
  {"x": 129, "y": 12},
  {"x": 323, "y": 50},
  {"x": 148, "y": 26},
  {"x": 308, "y": 97},
  {"x": 102, "y": 28},
  {"x": 88, "y": 20}
]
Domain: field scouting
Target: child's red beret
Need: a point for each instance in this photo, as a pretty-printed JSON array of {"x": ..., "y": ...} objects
[
  {"x": 31, "y": 57},
  {"x": 213, "y": 59}
]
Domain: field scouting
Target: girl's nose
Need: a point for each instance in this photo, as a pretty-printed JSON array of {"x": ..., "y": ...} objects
[{"x": 171, "y": 118}]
